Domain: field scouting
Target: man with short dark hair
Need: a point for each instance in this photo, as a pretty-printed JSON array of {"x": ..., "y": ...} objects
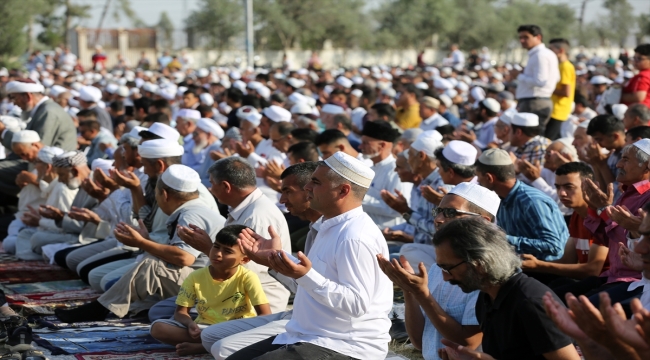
[
  {"x": 407, "y": 115},
  {"x": 638, "y": 88},
  {"x": 91, "y": 131},
  {"x": 607, "y": 132},
  {"x": 537, "y": 82},
  {"x": 343, "y": 123},
  {"x": 564, "y": 90},
  {"x": 331, "y": 141},
  {"x": 637, "y": 133},
  {"x": 302, "y": 152}
]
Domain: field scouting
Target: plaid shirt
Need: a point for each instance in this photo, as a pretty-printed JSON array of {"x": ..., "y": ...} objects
[
  {"x": 422, "y": 217},
  {"x": 533, "y": 150}
]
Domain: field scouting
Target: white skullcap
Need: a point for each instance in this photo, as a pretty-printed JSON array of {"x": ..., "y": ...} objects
[
  {"x": 357, "y": 80},
  {"x": 17, "y": 87},
  {"x": 112, "y": 88},
  {"x": 301, "y": 109},
  {"x": 203, "y": 72},
  {"x": 446, "y": 100},
  {"x": 356, "y": 92},
  {"x": 497, "y": 157},
  {"x": 345, "y": 82},
  {"x": 491, "y": 105},
  {"x": 525, "y": 119},
  {"x": 643, "y": 145},
  {"x": 164, "y": 131},
  {"x": 600, "y": 80},
  {"x": 243, "y": 111},
  {"x": 90, "y": 94},
  {"x": 210, "y": 126},
  {"x": 351, "y": 169},
  {"x": 189, "y": 114},
  {"x": 411, "y": 135},
  {"x": 460, "y": 152},
  {"x": 428, "y": 142},
  {"x": 422, "y": 85},
  {"x": 452, "y": 93},
  {"x": 584, "y": 124},
  {"x": 332, "y": 109},
  {"x": 297, "y": 97},
  {"x": 238, "y": 84},
  {"x": 254, "y": 118},
  {"x": 486, "y": 199},
  {"x": 206, "y": 99},
  {"x": 72, "y": 111},
  {"x": 277, "y": 114},
  {"x": 628, "y": 74},
  {"x": 443, "y": 84},
  {"x": 160, "y": 148},
  {"x": 264, "y": 92},
  {"x": 506, "y": 116},
  {"x": 477, "y": 93},
  {"x": 619, "y": 111},
  {"x": 57, "y": 90},
  {"x": 462, "y": 87},
  {"x": 167, "y": 93},
  {"x": 47, "y": 154},
  {"x": 103, "y": 164},
  {"x": 390, "y": 92},
  {"x": 123, "y": 91},
  {"x": 235, "y": 75},
  {"x": 302, "y": 71},
  {"x": 295, "y": 83},
  {"x": 181, "y": 178},
  {"x": 135, "y": 132},
  {"x": 25, "y": 137}
]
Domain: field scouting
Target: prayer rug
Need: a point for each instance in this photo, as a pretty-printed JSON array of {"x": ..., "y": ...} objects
[
  {"x": 45, "y": 324},
  {"x": 125, "y": 341},
  {"x": 43, "y": 298},
  {"x": 141, "y": 355},
  {"x": 12, "y": 272}
]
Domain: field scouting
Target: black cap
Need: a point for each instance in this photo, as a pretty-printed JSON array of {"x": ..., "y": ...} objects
[{"x": 380, "y": 130}]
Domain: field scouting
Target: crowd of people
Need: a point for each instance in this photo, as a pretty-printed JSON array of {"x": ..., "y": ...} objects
[{"x": 493, "y": 195}]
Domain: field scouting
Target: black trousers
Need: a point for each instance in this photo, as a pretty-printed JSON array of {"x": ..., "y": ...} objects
[
  {"x": 553, "y": 129},
  {"x": 266, "y": 350}
]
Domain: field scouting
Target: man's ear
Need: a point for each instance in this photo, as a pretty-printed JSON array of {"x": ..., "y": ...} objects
[
  {"x": 340, "y": 147},
  {"x": 227, "y": 186},
  {"x": 74, "y": 172},
  {"x": 346, "y": 189}
]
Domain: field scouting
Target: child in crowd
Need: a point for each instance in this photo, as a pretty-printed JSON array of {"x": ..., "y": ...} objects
[{"x": 222, "y": 291}]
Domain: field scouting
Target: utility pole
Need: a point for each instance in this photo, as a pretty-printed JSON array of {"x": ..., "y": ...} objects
[
  {"x": 582, "y": 14},
  {"x": 249, "y": 33},
  {"x": 101, "y": 20},
  {"x": 67, "y": 22}
]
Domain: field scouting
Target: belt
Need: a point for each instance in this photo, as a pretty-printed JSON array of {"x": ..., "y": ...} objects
[{"x": 534, "y": 98}]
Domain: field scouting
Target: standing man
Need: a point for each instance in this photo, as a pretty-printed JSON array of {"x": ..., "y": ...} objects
[
  {"x": 537, "y": 82},
  {"x": 637, "y": 89},
  {"x": 407, "y": 115},
  {"x": 564, "y": 90}
]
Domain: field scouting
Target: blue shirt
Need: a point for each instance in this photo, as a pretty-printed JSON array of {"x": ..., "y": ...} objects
[
  {"x": 453, "y": 119},
  {"x": 422, "y": 216},
  {"x": 533, "y": 222},
  {"x": 205, "y": 166},
  {"x": 94, "y": 152}
]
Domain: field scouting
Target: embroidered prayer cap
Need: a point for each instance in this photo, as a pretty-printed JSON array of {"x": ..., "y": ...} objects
[
  {"x": 380, "y": 130},
  {"x": 486, "y": 199},
  {"x": 210, "y": 126},
  {"x": 70, "y": 159},
  {"x": 460, "y": 152},
  {"x": 160, "y": 148},
  {"x": 496, "y": 157},
  {"x": 351, "y": 169},
  {"x": 181, "y": 178},
  {"x": 162, "y": 130},
  {"x": 26, "y": 137},
  {"x": 525, "y": 119},
  {"x": 47, "y": 154}
]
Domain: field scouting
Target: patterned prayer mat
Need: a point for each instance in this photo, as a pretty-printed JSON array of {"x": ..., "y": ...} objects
[
  {"x": 12, "y": 272},
  {"x": 127, "y": 340},
  {"x": 43, "y": 298},
  {"x": 141, "y": 355}
]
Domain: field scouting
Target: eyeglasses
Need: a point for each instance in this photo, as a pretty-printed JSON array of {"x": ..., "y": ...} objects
[
  {"x": 451, "y": 213},
  {"x": 448, "y": 271}
]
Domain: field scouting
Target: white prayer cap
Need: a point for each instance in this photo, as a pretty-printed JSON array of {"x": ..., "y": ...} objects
[
  {"x": 210, "y": 126},
  {"x": 345, "y": 82},
  {"x": 72, "y": 111},
  {"x": 57, "y": 90},
  {"x": 297, "y": 97},
  {"x": 264, "y": 92},
  {"x": 254, "y": 118},
  {"x": 643, "y": 145},
  {"x": 90, "y": 94},
  {"x": 47, "y": 82},
  {"x": 149, "y": 87},
  {"x": 295, "y": 83},
  {"x": 430, "y": 102},
  {"x": 525, "y": 119},
  {"x": 477, "y": 93},
  {"x": 428, "y": 142},
  {"x": 112, "y": 88},
  {"x": 277, "y": 114},
  {"x": 491, "y": 105},
  {"x": 332, "y": 109},
  {"x": 301, "y": 109},
  {"x": 203, "y": 72},
  {"x": 279, "y": 76},
  {"x": 238, "y": 84},
  {"x": 422, "y": 85},
  {"x": 584, "y": 124},
  {"x": 390, "y": 92},
  {"x": 452, "y": 93},
  {"x": 189, "y": 114},
  {"x": 26, "y": 137},
  {"x": 17, "y": 87},
  {"x": 164, "y": 131},
  {"x": 600, "y": 80},
  {"x": 206, "y": 99},
  {"x": 302, "y": 71},
  {"x": 506, "y": 116},
  {"x": 167, "y": 93},
  {"x": 357, "y": 92},
  {"x": 181, "y": 178},
  {"x": 357, "y": 80},
  {"x": 351, "y": 169},
  {"x": 497, "y": 157},
  {"x": 254, "y": 85},
  {"x": 446, "y": 100},
  {"x": 497, "y": 76},
  {"x": 462, "y": 87},
  {"x": 619, "y": 111},
  {"x": 486, "y": 199},
  {"x": 411, "y": 135},
  {"x": 443, "y": 84},
  {"x": 160, "y": 148},
  {"x": 4, "y": 72},
  {"x": 446, "y": 71},
  {"x": 47, "y": 154},
  {"x": 135, "y": 132},
  {"x": 235, "y": 75},
  {"x": 123, "y": 91},
  {"x": 460, "y": 152},
  {"x": 103, "y": 164}
]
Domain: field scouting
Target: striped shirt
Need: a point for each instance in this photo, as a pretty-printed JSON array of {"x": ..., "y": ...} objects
[
  {"x": 422, "y": 217},
  {"x": 533, "y": 222}
]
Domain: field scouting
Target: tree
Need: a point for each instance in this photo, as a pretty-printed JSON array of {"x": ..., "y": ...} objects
[
  {"x": 218, "y": 21},
  {"x": 15, "y": 15},
  {"x": 56, "y": 19},
  {"x": 166, "y": 27},
  {"x": 123, "y": 8},
  {"x": 621, "y": 16}
]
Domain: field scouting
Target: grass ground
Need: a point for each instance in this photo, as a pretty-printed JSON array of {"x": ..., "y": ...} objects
[{"x": 406, "y": 350}]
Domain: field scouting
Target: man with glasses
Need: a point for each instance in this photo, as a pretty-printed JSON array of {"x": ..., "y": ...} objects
[
  {"x": 435, "y": 308},
  {"x": 637, "y": 89}
]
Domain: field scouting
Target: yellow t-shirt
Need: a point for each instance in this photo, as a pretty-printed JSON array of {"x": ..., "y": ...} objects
[
  {"x": 219, "y": 301},
  {"x": 562, "y": 105},
  {"x": 408, "y": 118}
]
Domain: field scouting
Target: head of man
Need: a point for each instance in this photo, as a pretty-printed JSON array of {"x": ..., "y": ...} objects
[
  {"x": 331, "y": 141},
  {"x": 607, "y": 131},
  {"x": 456, "y": 162},
  {"x": 637, "y": 133},
  {"x": 89, "y": 129},
  {"x": 158, "y": 155},
  {"x": 207, "y": 131},
  {"x": 636, "y": 115},
  {"x": 580, "y": 138},
  {"x": 302, "y": 152},
  {"x": 72, "y": 168},
  {"x": 643, "y": 246},
  {"x": 280, "y": 135},
  {"x": 176, "y": 186},
  {"x": 428, "y": 107},
  {"x": 494, "y": 167},
  {"x": 488, "y": 108},
  {"x": 568, "y": 182},
  {"x": 560, "y": 47},
  {"x": 524, "y": 126},
  {"x": 89, "y": 96},
  {"x": 633, "y": 165},
  {"x": 25, "y": 93},
  {"x": 338, "y": 185},
  {"x": 190, "y": 99},
  {"x": 503, "y": 127},
  {"x": 293, "y": 193},
  {"x": 563, "y": 147},
  {"x": 529, "y": 36},
  {"x": 186, "y": 121},
  {"x": 232, "y": 179},
  {"x": 474, "y": 254},
  {"x": 409, "y": 95},
  {"x": 26, "y": 144},
  {"x": 44, "y": 161},
  {"x": 249, "y": 128},
  {"x": 129, "y": 143},
  {"x": 403, "y": 169},
  {"x": 421, "y": 154},
  {"x": 642, "y": 57},
  {"x": 272, "y": 115},
  {"x": 381, "y": 112},
  {"x": 377, "y": 140},
  {"x": 465, "y": 200}
]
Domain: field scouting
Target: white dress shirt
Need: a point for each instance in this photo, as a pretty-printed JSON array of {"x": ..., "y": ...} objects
[
  {"x": 59, "y": 196},
  {"x": 432, "y": 122},
  {"x": 344, "y": 300},
  {"x": 265, "y": 152},
  {"x": 645, "y": 296},
  {"x": 385, "y": 179},
  {"x": 458, "y": 58},
  {"x": 541, "y": 74}
]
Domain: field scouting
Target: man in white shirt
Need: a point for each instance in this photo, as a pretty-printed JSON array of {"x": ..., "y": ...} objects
[
  {"x": 185, "y": 125},
  {"x": 457, "y": 57},
  {"x": 343, "y": 298},
  {"x": 429, "y": 112},
  {"x": 536, "y": 83}
]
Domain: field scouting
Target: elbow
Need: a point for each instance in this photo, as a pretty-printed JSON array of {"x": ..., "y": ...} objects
[
  {"x": 183, "y": 260},
  {"x": 592, "y": 270}
]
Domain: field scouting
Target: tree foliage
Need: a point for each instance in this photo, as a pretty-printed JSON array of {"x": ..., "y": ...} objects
[
  {"x": 53, "y": 19},
  {"x": 166, "y": 28},
  {"x": 621, "y": 17},
  {"x": 218, "y": 21},
  {"x": 15, "y": 15}
]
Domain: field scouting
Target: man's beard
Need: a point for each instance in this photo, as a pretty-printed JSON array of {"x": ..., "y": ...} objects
[
  {"x": 370, "y": 156},
  {"x": 471, "y": 281},
  {"x": 199, "y": 147},
  {"x": 74, "y": 183}
]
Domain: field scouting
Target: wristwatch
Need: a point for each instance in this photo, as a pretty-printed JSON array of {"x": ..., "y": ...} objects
[{"x": 407, "y": 215}]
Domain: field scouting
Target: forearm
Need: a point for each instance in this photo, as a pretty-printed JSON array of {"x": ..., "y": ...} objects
[
  {"x": 448, "y": 327},
  {"x": 605, "y": 174},
  {"x": 414, "y": 320},
  {"x": 573, "y": 271},
  {"x": 137, "y": 197},
  {"x": 633, "y": 97},
  {"x": 168, "y": 253},
  {"x": 591, "y": 350},
  {"x": 183, "y": 318}
]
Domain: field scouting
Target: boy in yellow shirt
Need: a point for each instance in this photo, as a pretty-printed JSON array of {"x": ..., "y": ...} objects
[{"x": 222, "y": 291}]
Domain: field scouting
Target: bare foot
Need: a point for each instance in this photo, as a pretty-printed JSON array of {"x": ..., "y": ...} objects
[{"x": 186, "y": 348}]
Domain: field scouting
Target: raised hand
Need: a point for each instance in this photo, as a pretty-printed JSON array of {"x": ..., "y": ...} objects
[
  {"x": 85, "y": 215},
  {"x": 195, "y": 237},
  {"x": 274, "y": 170},
  {"x": 244, "y": 150},
  {"x": 432, "y": 196},
  {"x": 596, "y": 198},
  {"x": 531, "y": 171},
  {"x": 125, "y": 178},
  {"x": 280, "y": 262},
  {"x": 624, "y": 217},
  {"x": 563, "y": 318},
  {"x": 402, "y": 274},
  {"x": 51, "y": 212},
  {"x": 258, "y": 248},
  {"x": 396, "y": 202}
]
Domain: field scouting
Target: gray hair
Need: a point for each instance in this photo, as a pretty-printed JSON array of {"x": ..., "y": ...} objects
[
  {"x": 480, "y": 243},
  {"x": 641, "y": 156},
  {"x": 568, "y": 148},
  {"x": 234, "y": 170},
  {"x": 130, "y": 140},
  {"x": 641, "y": 111},
  {"x": 337, "y": 180}
]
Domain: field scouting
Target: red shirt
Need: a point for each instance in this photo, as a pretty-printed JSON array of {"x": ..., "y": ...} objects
[
  {"x": 640, "y": 82},
  {"x": 584, "y": 239}
]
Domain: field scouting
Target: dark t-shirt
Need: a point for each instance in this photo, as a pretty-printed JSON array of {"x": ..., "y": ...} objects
[
  {"x": 233, "y": 120},
  {"x": 516, "y": 326}
]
